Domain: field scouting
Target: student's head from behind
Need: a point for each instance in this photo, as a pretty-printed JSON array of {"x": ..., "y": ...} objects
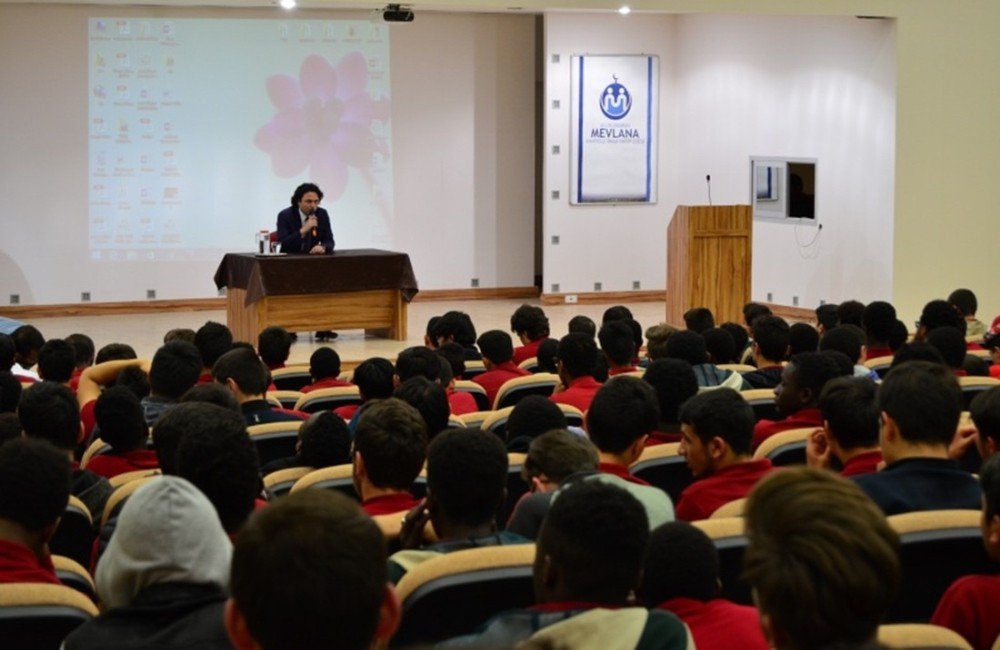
[
  {"x": 802, "y": 381},
  {"x": 939, "y": 313},
  {"x": 10, "y": 392},
  {"x": 850, "y": 312},
  {"x": 454, "y": 354},
  {"x": 985, "y": 411},
  {"x": 616, "y": 312},
  {"x": 324, "y": 441},
  {"x": 964, "y": 300},
  {"x": 212, "y": 340},
  {"x": 920, "y": 403},
  {"x": 826, "y": 317},
  {"x": 591, "y": 545},
  {"x": 989, "y": 481},
  {"x": 529, "y": 322},
  {"x": 802, "y": 338},
  {"x": 657, "y": 337},
  {"x": 324, "y": 363},
  {"x": 7, "y": 351},
  {"x": 466, "y": 480},
  {"x": 373, "y": 377},
  {"x": 681, "y": 562},
  {"x": 390, "y": 445},
  {"x": 950, "y": 343},
  {"x": 822, "y": 560},
  {"x": 898, "y": 336},
  {"x": 688, "y": 346},
  {"x": 850, "y": 412},
  {"x": 83, "y": 349},
  {"x": 770, "y": 338},
  {"x": 176, "y": 422},
  {"x": 429, "y": 399},
  {"x": 716, "y": 430},
  {"x": 917, "y": 351},
  {"x": 577, "y": 355},
  {"x": 120, "y": 419},
  {"x": 496, "y": 346},
  {"x": 752, "y": 311},
  {"x": 617, "y": 343},
  {"x": 175, "y": 368},
  {"x": 274, "y": 345},
  {"x": 674, "y": 383},
  {"x": 212, "y": 394},
  {"x": 877, "y": 321},
  {"x": 135, "y": 379},
  {"x": 847, "y": 339},
  {"x": 221, "y": 461},
  {"x": 532, "y": 416},
  {"x": 455, "y": 326},
  {"x": 417, "y": 361},
  {"x": 27, "y": 342},
  {"x": 49, "y": 411},
  {"x": 34, "y": 488},
  {"x": 548, "y": 350},
  {"x": 740, "y": 338},
  {"x": 623, "y": 413},
  {"x": 699, "y": 319},
  {"x": 720, "y": 345},
  {"x": 554, "y": 456},
  {"x": 243, "y": 372},
  {"x": 334, "y": 595},
  {"x": 56, "y": 361},
  {"x": 583, "y": 325},
  {"x": 116, "y": 351}
]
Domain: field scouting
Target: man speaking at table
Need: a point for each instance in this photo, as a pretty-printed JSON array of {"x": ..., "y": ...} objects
[{"x": 304, "y": 227}]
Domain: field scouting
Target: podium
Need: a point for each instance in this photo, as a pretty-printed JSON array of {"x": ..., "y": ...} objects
[{"x": 708, "y": 261}]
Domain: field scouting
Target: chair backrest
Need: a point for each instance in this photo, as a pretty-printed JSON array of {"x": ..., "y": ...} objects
[
  {"x": 734, "y": 508},
  {"x": 737, "y": 367},
  {"x": 663, "y": 466},
  {"x": 880, "y": 365},
  {"x": 542, "y": 383},
  {"x": 478, "y": 393},
  {"x": 40, "y": 616},
  {"x": 338, "y": 477},
  {"x": 474, "y": 419},
  {"x": 72, "y": 574},
  {"x": 786, "y": 447},
  {"x": 972, "y": 386},
  {"x": 392, "y": 524},
  {"x": 496, "y": 422},
  {"x": 117, "y": 498},
  {"x": 273, "y": 401},
  {"x": 96, "y": 448},
  {"x": 127, "y": 477},
  {"x": 762, "y": 402},
  {"x": 455, "y": 422},
  {"x": 920, "y": 635},
  {"x": 573, "y": 415},
  {"x": 279, "y": 483},
  {"x": 530, "y": 364},
  {"x": 292, "y": 377},
  {"x": 74, "y": 536},
  {"x": 936, "y": 548},
  {"x": 287, "y": 398},
  {"x": 729, "y": 536},
  {"x": 473, "y": 367},
  {"x": 327, "y": 399},
  {"x": 516, "y": 487},
  {"x": 274, "y": 440},
  {"x": 454, "y": 594}
]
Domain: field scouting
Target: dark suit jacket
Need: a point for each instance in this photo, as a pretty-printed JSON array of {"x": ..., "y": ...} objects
[{"x": 291, "y": 238}]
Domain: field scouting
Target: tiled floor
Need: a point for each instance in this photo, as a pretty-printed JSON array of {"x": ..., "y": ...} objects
[{"x": 145, "y": 331}]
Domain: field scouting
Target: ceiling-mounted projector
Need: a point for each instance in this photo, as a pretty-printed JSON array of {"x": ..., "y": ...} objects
[{"x": 397, "y": 14}]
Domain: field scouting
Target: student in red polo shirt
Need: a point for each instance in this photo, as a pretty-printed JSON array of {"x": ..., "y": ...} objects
[
  {"x": 850, "y": 427},
  {"x": 797, "y": 396},
  {"x": 618, "y": 346},
  {"x": 324, "y": 369},
  {"x": 674, "y": 383},
  {"x": 877, "y": 321},
  {"x": 577, "y": 357},
  {"x": 390, "y": 447},
  {"x": 531, "y": 326},
  {"x": 83, "y": 354},
  {"x": 716, "y": 427},
  {"x": 498, "y": 352},
  {"x": 34, "y": 490},
  {"x": 212, "y": 340},
  {"x": 121, "y": 425},
  {"x": 274, "y": 345}
]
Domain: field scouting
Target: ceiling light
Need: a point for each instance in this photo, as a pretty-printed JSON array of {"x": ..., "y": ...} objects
[
  {"x": 287, "y": 4},
  {"x": 624, "y": 10}
]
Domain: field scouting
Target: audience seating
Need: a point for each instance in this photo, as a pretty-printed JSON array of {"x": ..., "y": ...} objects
[
  {"x": 762, "y": 402},
  {"x": 785, "y": 448},
  {"x": 732, "y": 509},
  {"x": 40, "y": 616},
  {"x": 338, "y": 477},
  {"x": 455, "y": 422},
  {"x": 117, "y": 499},
  {"x": 279, "y": 483},
  {"x": 287, "y": 398},
  {"x": 530, "y": 364},
  {"x": 516, "y": 488},
  {"x": 327, "y": 399},
  {"x": 917, "y": 635},
  {"x": 477, "y": 392},
  {"x": 573, "y": 415},
  {"x": 274, "y": 440},
  {"x": 96, "y": 448},
  {"x": 729, "y": 536},
  {"x": 127, "y": 477},
  {"x": 291, "y": 377},
  {"x": 74, "y": 536},
  {"x": 663, "y": 467},
  {"x": 454, "y": 594},
  {"x": 475, "y": 419},
  {"x": 737, "y": 367},
  {"x": 972, "y": 386},
  {"x": 274, "y": 401},
  {"x": 496, "y": 422},
  {"x": 392, "y": 524},
  {"x": 513, "y": 390},
  {"x": 937, "y": 547},
  {"x": 880, "y": 365},
  {"x": 473, "y": 367},
  {"x": 72, "y": 574}
]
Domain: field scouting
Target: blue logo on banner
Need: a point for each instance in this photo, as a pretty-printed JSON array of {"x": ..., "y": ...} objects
[{"x": 616, "y": 101}]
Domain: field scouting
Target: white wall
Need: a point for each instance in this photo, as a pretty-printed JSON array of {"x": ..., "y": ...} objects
[
  {"x": 732, "y": 87},
  {"x": 463, "y": 88}
]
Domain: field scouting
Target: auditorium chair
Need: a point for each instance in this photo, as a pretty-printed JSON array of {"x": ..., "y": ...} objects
[
  {"x": 455, "y": 422},
  {"x": 127, "y": 477},
  {"x": 74, "y": 535},
  {"x": 40, "y": 616},
  {"x": 478, "y": 393},
  {"x": 279, "y": 483},
  {"x": 392, "y": 524},
  {"x": 121, "y": 494},
  {"x": 762, "y": 402},
  {"x": 972, "y": 386},
  {"x": 274, "y": 440},
  {"x": 475, "y": 419},
  {"x": 530, "y": 364},
  {"x": 737, "y": 367},
  {"x": 936, "y": 548},
  {"x": 880, "y": 365},
  {"x": 72, "y": 574},
  {"x": 729, "y": 536},
  {"x": 917, "y": 635},
  {"x": 516, "y": 488},
  {"x": 786, "y": 447},
  {"x": 456, "y": 593},
  {"x": 663, "y": 467},
  {"x": 274, "y": 401},
  {"x": 734, "y": 508},
  {"x": 473, "y": 367},
  {"x": 328, "y": 399},
  {"x": 513, "y": 390},
  {"x": 287, "y": 398},
  {"x": 338, "y": 477},
  {"x": 96, "y": 448},
  {"x": 291, "y": 377},
  {"x": 496, "y": 422}
]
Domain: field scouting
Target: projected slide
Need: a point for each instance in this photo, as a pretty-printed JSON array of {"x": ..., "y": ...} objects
[{"x": 200, "y": 130}]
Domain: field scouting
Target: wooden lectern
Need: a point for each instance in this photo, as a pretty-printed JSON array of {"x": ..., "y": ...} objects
[{"x": 708, "y": 261}]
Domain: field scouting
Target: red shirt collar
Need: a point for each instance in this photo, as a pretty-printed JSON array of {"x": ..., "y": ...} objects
[{"x": 570, "y": 605}]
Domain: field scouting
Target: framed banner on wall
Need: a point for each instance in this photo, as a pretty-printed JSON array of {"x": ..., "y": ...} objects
[{"x": 615, "y": 104}]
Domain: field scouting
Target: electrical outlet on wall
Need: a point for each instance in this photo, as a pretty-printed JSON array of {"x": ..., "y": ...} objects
[{"x": 570, "y": 298}]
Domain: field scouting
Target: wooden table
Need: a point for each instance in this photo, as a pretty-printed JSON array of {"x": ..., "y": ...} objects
[{"x": 351, "y": 289}]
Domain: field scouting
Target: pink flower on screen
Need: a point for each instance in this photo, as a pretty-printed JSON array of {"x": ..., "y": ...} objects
[{"x": 323, "y": 122}]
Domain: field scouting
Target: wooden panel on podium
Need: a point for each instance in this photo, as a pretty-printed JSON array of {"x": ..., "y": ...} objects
[{"x": 708, "y": 261}]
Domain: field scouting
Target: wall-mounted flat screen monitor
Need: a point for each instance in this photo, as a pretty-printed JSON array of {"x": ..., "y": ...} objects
[{"x": 783, "y": 188}]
